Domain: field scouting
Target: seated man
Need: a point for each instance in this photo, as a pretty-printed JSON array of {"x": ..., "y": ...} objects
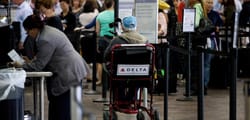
[{"x": 128, "y": 36}]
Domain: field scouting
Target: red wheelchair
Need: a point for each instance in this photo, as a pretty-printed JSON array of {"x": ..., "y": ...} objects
[{"x": 131, "y": 69}]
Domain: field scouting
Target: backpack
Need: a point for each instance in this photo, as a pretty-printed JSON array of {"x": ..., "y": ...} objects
[{"x": 205, "y": 26}]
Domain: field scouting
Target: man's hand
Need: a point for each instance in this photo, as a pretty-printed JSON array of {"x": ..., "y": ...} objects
[
  {"x": 26, "y": 59},
  {"x": 20, "y": 46},
  {"x": 14, "y": 64}
]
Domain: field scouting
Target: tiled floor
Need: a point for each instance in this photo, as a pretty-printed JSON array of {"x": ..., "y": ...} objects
[{"x": 216, "y": 104}]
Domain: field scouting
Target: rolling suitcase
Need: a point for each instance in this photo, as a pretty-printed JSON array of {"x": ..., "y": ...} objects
[{"x": 219, "y": 72}]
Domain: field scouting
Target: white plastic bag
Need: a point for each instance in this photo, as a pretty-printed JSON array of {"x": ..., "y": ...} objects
[{"x": 10, "y": 78}]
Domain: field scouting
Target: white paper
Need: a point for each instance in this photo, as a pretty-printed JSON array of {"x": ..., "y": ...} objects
[
  {"x": 15, "y": 57},
  {"x": 188, "y": 20},
  {"x": 146, "y": 12}
]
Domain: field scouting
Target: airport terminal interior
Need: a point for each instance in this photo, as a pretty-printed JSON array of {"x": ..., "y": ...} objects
[{"x": 175, "y": 64}]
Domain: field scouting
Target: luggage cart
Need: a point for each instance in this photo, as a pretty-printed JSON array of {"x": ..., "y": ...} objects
[{"x": 130, "y": 70}]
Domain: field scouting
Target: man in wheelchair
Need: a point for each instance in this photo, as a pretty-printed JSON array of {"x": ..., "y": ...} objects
[{"x": 129, "y": 35}]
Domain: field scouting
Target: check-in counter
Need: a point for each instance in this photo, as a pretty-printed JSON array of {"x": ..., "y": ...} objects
[{"x": 38, "y": 83}]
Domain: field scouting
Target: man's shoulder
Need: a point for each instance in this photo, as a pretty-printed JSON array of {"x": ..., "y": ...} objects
[{"x": 119, "y": 40}]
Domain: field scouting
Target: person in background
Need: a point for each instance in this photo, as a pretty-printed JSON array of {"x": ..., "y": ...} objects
[
  {"x": 56, "y": 7},
  {"x": 104, "y": 33},
  {"x": 23, "y": 11},
  {"x": 218, "y": 6},
  {"x": 162, "y": 26},
  {"x": 162, "y": 21},
  {"x": 88, "y": 41},
  {"x": 244, "y": 20},
  {"x": 32, "y": 4},
  {"x": 196, "y": 41},
  {"x": 77, "y": 9},
  {"x": 179, "y": 7},
  {"x": 211, "y": 41},
  {"x": 229, "y": 9},
  {"x": 100, "y": 5},
  {"x": 68, "y": 20},
  {"x": 199, "y": 10},
  {"x": 46, "y": 8},
  {"x": 57, "y": 55},
  {"x": 90, "y": 11},
  {"x": 180, "y": 41}
]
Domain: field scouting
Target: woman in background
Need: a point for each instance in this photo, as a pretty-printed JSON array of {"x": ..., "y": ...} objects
[
  {"x": 88, "y": 41},
  {"x": 196, "y": 41},
  {"x": 46, "y": 7},
  {"x": 69, "y": 23},
  {"x": 104, "y": 33},
  {"x": 77, "y": 9}
]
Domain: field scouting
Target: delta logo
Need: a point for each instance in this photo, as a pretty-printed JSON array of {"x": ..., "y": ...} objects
[{"x": 136, "y": 70}]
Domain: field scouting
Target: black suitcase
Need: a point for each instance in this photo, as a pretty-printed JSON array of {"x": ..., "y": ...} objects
[
  {"x": 219, "y": 72},
  {"x": 243, "y": 63},
  {"x": 160, "y": 85}
]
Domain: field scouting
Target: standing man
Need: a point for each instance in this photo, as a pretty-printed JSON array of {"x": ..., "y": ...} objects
[
  {"x": 211, "y": 40},
  {"x": 128, "y": 36},
  {"x": 23, "y": 11}
]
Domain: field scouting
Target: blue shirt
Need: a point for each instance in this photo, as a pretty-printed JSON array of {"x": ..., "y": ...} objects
[
  {"x": 215, "y": 18},
  {"x": 23, "y": 11},
  {"x": 217, "y": 21}
]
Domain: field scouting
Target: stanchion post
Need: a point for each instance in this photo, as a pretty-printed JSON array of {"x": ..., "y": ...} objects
[
  {"x": 166, "y": 79},
  {"x": 234, "y": 56},
  {"x": 201, "y": 85},
  {"x": 104, "y": 88},
  {"x": 93, "y": 90},
  {"x": 187, "y": 92},
  {"x": 188, "y": 74},
  {"x": 94, "y": 70},
  {"x": 34, "y": 83}
]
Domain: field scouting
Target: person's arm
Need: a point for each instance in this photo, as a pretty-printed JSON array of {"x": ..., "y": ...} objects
[
  {"x": 91, "y": 24},
  {"x": 88, "y": 26},
  {"x": 97, "y": 28},
  {"x": 162, "y": 31},
  {"x": 198, "y": 14},
  {"x": 46, "y": 51}
]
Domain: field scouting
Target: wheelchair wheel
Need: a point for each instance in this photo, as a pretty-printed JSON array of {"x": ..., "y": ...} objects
[
  {"x": 106, "y": 115},
  {"x": 140, "y": 116},
  {"x": 156, "y": 115}
]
